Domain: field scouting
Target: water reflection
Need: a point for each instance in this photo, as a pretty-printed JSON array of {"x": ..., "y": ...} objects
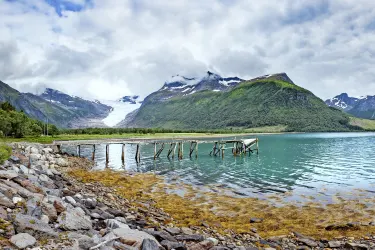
[{"x": 308, "y": 164}]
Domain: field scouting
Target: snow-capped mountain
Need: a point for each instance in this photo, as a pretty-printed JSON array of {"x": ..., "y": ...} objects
[
  {"x": 363, "y": 107},
  {"x": 342, "y": 101},
  {"x": 182, "y": 86}
]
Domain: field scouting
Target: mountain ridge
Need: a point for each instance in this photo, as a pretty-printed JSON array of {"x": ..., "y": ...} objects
[
  {"x": 55, "y": 106},
  {"x": 269, "y": 100},
  {"x": 361, "y": 107}
]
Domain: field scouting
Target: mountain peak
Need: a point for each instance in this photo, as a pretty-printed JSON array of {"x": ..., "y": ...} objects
[{"x": 278, "y": 76}]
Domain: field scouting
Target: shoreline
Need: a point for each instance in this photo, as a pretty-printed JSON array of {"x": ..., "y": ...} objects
[{"x": 140, "y": 203}]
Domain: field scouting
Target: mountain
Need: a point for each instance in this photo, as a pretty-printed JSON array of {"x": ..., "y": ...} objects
[
  {"x": 61, "y": 109},
  {"x": 184, "y": 86},
  {"x": 130, "y": 99},
  {"x": 211, "y": 103},
  {"x": 362, "y": 107}
]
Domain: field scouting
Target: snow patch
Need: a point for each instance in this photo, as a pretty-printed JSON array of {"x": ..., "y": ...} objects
[{"x": 119, "y": 112}]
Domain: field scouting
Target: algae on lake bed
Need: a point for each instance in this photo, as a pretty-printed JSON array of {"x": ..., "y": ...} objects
[{"x": 194, "y": 207}]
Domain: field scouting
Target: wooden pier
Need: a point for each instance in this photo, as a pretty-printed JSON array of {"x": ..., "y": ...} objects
[{"x": 238, "y": 147}]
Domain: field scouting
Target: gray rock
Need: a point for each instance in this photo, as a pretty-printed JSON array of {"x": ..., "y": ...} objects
[
  {"x": 33, "y": 226},
  {"x": 186, "y": 230},
  {"x": 169, "y": 245},
  {"x": 308, "y": 242},
  {"x": 23, "y": 192},
  {"x": 133, "y": 235},
  {"x": 62, "y": 162},
  {"x": 16, "y": 169},
  {"x": 50, "y": 211},
  {"x": 84, "y": 241},
  {"x": 173, "y": 230},
  {"x": 24, "y": 169},
  {"x": 35, "y": 158},
  {"x": 256, "y": 220},
  {"x": 355, "y": 246},
  {"x": 148, "y": 244},
  {"x": 161, "y": 235},
  {"x": 15, "y": 159},
  {"x": 74, "y": 219},
  {"x": 334, "y": 244},
  {"x": 33, "y": 150},
  {"x": 23, "y": 240},
  {"x": 193, "y": 237},
  {"x": 113, "y": 224},
  {"x": 47, "y": 151},
  {"x": 5, "y": 201},
  {"x": 8, "y": 175},
  {"x": 33, "y": 207},
  {"x": 70, "y": 200}
]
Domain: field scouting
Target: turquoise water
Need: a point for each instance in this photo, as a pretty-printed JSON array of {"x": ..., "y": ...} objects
[{"x": 317, "y": 164}]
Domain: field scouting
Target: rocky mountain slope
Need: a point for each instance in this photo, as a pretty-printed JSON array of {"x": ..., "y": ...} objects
[
  {"x": 269, "y": 100},
  {"x": 59, "y": 108},
  {"x": 362, "y": 107}
]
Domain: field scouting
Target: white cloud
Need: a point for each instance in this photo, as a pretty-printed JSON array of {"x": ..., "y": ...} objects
[{"x": 118, "y": 47}]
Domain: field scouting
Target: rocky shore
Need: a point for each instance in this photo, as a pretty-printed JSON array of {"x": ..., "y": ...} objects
[{"x": 41, "y": 207}]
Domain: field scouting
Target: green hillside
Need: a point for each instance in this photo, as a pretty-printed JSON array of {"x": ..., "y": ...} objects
[{"x": 252, "y": 104}]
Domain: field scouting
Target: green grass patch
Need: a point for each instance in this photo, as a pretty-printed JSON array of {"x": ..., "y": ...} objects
[
  {"x": 366, "y": 124},
  {"x": 5, "y": 153}
]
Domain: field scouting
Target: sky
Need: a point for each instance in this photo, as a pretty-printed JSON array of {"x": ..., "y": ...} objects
[{"x": 105, "y": 49}]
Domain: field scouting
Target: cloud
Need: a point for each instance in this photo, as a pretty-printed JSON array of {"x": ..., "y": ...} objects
[{"x": 107, "y": 49}]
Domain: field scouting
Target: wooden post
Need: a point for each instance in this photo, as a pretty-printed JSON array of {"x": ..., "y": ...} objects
[
  {"x": 123, "y": 154},
  {"x": 257, "y": 146},
  {"x": 182, "y": 150},
  {"x": 222, "y": 151},
  {"x": 196, "y": 150},
  {"x": 160, "y": 150},
  {"x": 58, "y": 149},
  {"x": 79, "y": 150},
  {"x": 174, "y": 150},
  {"x": 170, "y": 150},
  {"x": 93, "y": 152},
  {"x": 155, "y": 151},
  {"x": 107, "y": 153},
  {"x": 138, "y": 154}
]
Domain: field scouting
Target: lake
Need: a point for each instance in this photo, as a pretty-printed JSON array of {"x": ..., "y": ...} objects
[{"x": 314, "y": 165}]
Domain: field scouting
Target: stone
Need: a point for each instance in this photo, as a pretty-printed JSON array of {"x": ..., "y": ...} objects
[
  {"x": 116, "y": 213},
  {"x": 18, "y": 200},
  {"x": 308, "y": 242},
  {"x": 16, "y": 169},
  {"x": 133, "y": 235},
  {"x": 33, "y": 226},
  {"x": 8, "y": 175},
  {"x": 148, "y": 244},
  {"x": 44, "y": 218},
  {"x": 59, "y": 206},
  {"x": 204, "y": 245},
  {"x": 192, "y": 237},
  {"x": 169, "y": 245},
  {"x": 161, "y": 235},
  {"x": 34, "y": 158},
  {"x": 3, "y": 213},
  {"x": 33, "y": 207},
  {"x": 24, "y": 169},
  {"x": 50, "y": 211},
  {"x": 334, "y": 244},
  {"x": 215, "y": 241},
  {"x": 186, "y": 230},
  {"x": 173, "y": 230},
  {"x": 84, "y": 241},
  {"x": 33, "y": 150},
  {"x": 23, "y": 192},
  {"x": 23, "y": 240},
  {"x": 256, "y": 220},
  {"x": 47, "y": 151},
  {"x": 5, "y": 201},
  {"x": 15, "y": 159},
  {"x": 95, "y": 216},
  {"x": 28, "y": 185},
  {"x": 70, "y": 200},
  {"x": 355, "y": 246},
  {"x": 62, "y": 162},
  {"x": 113, "y": 224},
  {"x": 74, "y": 219}
]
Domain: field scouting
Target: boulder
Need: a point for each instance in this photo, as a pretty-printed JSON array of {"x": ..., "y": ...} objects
[
  {"x": 24, "y": 169},
  {"x": 50, "y": 211},
  {"x": 74, "y": 219},
  {"x": 23, "y": 240},
  {"x": 113, "y": 224},
  {"x": 130, "y": 235},
  {"x": 173, "y": 230},
  {"x": 34, "y": 158},
  {"x": 59, "y": 206},
  {"x": 334, "y": 244},
  {"x": 62, "y": 162},
  {"x": 204, "y": 245},
  {"x": 5, "y": 201},
  {"x": 15, "y": 159},
  {"x": 161, "y": 235},
  {"x": 169, "y": 245},
  {"x": 193, "y": 237},
  {"x": 33, "y": 226},
  {"x": 8, "y": 175},
  {"x": 148, "y": 244}
]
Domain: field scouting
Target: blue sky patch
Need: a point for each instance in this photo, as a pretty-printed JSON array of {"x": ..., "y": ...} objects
[{"x": 65, "y": 5}]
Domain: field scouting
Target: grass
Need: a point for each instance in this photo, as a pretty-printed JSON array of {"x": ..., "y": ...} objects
[
  {"x": 5, "y": 152},
  {"x": 363, "y": 123},
  {"x": 225, "y": 213}
]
